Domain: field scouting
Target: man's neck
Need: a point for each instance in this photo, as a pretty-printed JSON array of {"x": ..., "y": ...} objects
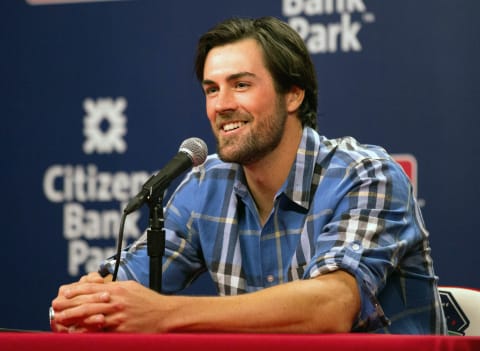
[{"x": 266, "y": 176}]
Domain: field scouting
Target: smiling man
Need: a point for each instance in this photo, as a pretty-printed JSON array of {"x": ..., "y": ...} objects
[{"x": 300, "y": 233}]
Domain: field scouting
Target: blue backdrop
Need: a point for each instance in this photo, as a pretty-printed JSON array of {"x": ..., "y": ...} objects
[{"x": 98, "y": 95}]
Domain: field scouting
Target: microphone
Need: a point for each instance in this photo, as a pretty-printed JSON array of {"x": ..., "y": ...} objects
[{"x": 192, "y": 152}]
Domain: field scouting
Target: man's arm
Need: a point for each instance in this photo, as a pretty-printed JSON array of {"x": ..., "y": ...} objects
[{"x": 326, "y": 304}]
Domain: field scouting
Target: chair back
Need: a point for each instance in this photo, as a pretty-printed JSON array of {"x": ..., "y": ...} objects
[{"x": 461, "y": 307}]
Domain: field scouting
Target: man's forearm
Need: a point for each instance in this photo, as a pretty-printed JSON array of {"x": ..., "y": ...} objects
[{"x": 325, "y": 304}]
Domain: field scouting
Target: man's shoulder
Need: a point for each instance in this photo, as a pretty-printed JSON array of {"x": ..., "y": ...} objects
[
  {"x": 213, "y": 170},
  {"x": 213, "y": 164},
  {"x": 347, "y": 150},
  {"x": 205, "y": 183}
]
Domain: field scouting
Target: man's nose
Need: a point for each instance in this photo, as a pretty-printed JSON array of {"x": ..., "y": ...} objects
[{"x": 225, "y": 101}]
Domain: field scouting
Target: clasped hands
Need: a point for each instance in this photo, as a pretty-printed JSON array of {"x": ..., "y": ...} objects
[{"x": 96, "y": 304}]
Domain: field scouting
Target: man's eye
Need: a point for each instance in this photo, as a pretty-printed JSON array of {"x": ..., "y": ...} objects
[
  {"x": 210, "y": 90},
  {"x": 242, "y": 85}
]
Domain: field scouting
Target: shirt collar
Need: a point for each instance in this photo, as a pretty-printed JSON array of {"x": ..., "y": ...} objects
[{"x": 297, "y": 186}]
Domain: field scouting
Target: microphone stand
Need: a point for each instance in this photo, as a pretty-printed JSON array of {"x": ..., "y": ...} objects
[{"x": 156, "y": 242}]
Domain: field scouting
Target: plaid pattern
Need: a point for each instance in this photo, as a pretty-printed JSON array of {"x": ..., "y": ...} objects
[{"x": 344, "y": 206}]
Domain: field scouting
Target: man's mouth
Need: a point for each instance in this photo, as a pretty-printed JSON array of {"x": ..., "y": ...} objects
[{"x": 232, "y": 126}]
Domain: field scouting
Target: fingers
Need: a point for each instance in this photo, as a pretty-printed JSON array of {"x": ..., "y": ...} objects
[
  {"x": 89, "y": 306},
  {"x": 61, "y": 304},
  {"x": 75, "y": 329},
  {"x": 79, "y": 306},
  {"x": 78, "y": 289},
  {"x": 77, "y": 321},
  {"x": 89, "y": 314},
  {"x": 97, "y": 321},
  {"x": 93, "y": 277}
]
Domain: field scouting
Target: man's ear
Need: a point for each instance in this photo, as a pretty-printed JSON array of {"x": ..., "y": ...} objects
[{"x": 294, "y": 98}]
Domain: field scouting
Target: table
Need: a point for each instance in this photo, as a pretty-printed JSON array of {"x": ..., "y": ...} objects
[{"x": 10, "y": 341}]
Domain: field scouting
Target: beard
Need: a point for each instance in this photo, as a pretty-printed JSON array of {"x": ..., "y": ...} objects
[{"x": 259, "y": 142}]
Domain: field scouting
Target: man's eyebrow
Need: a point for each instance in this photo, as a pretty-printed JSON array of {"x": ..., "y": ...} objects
[{"x": 231, "y": 77}]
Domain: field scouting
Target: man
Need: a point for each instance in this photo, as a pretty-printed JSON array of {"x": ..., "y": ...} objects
[{"x": 301, "y": 234}]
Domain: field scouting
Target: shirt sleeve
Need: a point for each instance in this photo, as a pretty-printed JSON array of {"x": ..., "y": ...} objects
[
  {"x": 182, "y": 261},
  {"x": 369, "y": 232}
]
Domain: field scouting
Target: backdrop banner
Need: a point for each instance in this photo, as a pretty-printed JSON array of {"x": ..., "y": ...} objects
[{"x": 98, "y": 95}]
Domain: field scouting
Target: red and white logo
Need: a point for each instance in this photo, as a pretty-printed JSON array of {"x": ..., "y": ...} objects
[{"x": 409, "y": 165}]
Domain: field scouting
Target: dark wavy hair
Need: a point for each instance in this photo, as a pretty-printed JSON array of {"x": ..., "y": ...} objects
[{"x": 284, "y": 52}]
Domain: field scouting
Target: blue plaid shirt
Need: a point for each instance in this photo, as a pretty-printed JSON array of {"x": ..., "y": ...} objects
[{"x": 343, "y": 206}]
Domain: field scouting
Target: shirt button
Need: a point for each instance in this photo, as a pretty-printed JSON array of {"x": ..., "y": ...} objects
[
  {"x": 355, "y": 247},
  {"x": 270, "y": 278}
]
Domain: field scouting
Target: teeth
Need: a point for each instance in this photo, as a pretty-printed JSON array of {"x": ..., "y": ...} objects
[{"x": 232, "y": 126}]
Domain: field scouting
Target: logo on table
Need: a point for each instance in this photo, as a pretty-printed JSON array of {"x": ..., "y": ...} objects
[{"x": 104, "y": 125}]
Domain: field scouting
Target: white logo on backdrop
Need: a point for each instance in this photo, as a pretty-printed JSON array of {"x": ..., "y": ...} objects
[
  {"x": 105, "y": 125},
  {"x": 93, "y": 197},
  {"x": 328, "y": 26}
]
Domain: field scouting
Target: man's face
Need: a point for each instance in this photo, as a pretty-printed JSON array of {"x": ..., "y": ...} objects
[{"x": 246, "y": 114}]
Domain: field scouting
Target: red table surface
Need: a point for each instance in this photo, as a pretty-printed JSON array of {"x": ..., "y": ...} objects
[{"x": 244, "y": 342}]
